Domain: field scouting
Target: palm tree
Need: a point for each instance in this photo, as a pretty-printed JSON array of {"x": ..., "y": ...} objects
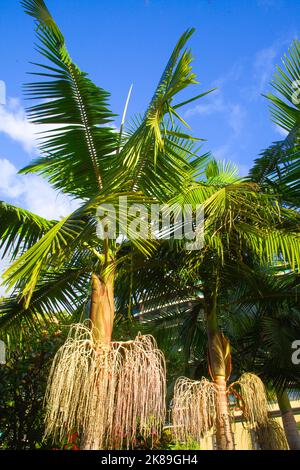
[
  {"x": 264, "y": 321},
  {"x": 85, "y": 158},
  {"x": 241, "y": 223},
  {"x": 54, "y": 261},
  {"x": 245, "y": 219},
  {"x": 278, "y": 167},
  {"x": 288, "y": 419}
]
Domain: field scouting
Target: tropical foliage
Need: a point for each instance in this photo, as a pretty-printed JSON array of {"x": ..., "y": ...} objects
[{"x": 222, "y": 310}]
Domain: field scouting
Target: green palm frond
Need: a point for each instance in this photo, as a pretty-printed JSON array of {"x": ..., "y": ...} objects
[
  {"x": 25, "y": 271},
  {"x": 278, "y": 168},
  {"x": 221, "y": 172},
  {"x": 239, "y": 216},
  {"x": 78, "y": 230},
  {"x": 157, "y": 150},
  {"x": 77, "y": 144},
  {"x": 285, "y": 107},
  {"x": 58, "y": 294},
  {"x": 20, "y": 229}
]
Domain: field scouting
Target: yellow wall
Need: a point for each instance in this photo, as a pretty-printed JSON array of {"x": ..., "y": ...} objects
[{"x": 241, "y": 435}]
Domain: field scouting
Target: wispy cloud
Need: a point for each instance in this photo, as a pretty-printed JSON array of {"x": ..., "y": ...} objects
[
  {"x": 13, "y": 123},
  {"x": 237, "y": 116},
  {"x": 4, "y": 264},
  {"x": 33, "y": 193},
  {"x": 264, "y": 66},
  {"x": 267, "y": 4},
  {"x": 215, "y": 105},
  {"x": 233, "y": 113}
]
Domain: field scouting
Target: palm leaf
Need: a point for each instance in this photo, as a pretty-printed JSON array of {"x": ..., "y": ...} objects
[
  {"x": 58, "y": 294},
  {"x": 278, "y": 168},
  {"x": 20, "y": 229},
  {"x": 157, "y": 151},
  {"x": 77, "y": 144}
]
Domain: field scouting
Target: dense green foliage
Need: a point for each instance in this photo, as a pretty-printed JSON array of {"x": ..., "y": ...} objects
[
  {"x": 23, "y": 382},
  {"x": 243, "y": 282}
]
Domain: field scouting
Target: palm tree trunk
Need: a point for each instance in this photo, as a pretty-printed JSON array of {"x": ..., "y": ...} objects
[
  {"x": 102, "y": 312},
  {"x": 218, "y": 367},
  {"x": 224, "y": 435},
  {"x": 288, "y": 420},
  {"x": 102, "y": 308}
]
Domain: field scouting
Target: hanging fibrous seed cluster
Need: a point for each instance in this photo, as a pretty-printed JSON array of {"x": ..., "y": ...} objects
[
  {"x": 193, "y": 409},
  {"x": 269, "y": 434},
  {"x": 108, "y": 393},
  {"x": 254, "y": 401}
]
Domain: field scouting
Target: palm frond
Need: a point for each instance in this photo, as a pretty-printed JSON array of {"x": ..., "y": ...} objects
[
  {"x": 285, "y": 106},
  {"x": 20, "y": 229},
  {"x": 278, "y": 168},
  {"x": 77, "y": 144},
  {"x": 157, "y": 150},
  {"x": 57, "y": 295}
]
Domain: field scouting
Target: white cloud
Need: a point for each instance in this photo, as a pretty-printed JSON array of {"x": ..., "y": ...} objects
[
  {"x": 29, "y": 191},
  {"x": 234, "y": 74},
  {"x": 4, "y": 264},
  {"x": 223, "y": 152},
  {"x": 13, "y": 122},
  {"x": 234, "y": 113},
  {"x": 10, "y": 185},
  {"x": 33, "y": 193},
  {"x": 215, "y": 105},
  {"x": 266, "y": 4},
  {"x": 264, "y": 66}
]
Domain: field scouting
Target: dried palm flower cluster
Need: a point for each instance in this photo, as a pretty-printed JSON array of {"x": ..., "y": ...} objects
[
  {"x": 108, "y": 393},
  {"x": 254, "y": 401},
  {"x": 268, "y": 433},
  {"x": 270, "y": 436},
  {"x": 194, "y": 410}
]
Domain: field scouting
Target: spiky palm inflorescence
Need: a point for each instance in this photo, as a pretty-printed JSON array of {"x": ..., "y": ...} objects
[{"x": 108, "y": 393}]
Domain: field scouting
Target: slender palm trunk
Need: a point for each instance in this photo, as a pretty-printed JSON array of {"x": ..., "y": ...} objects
[
  {"x": 288, "y": 420},
  {"x": 102, "y": 308},
  {"x": 224, "y": 435},
  {"x": 102, "y": 313},
  {"x": 217, "y": 345}
]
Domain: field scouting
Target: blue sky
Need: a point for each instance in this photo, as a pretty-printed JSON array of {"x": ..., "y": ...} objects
[{"x": 236, "y": 46}]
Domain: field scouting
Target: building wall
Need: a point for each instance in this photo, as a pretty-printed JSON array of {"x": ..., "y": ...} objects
[{"x": 242, "y": 436}]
